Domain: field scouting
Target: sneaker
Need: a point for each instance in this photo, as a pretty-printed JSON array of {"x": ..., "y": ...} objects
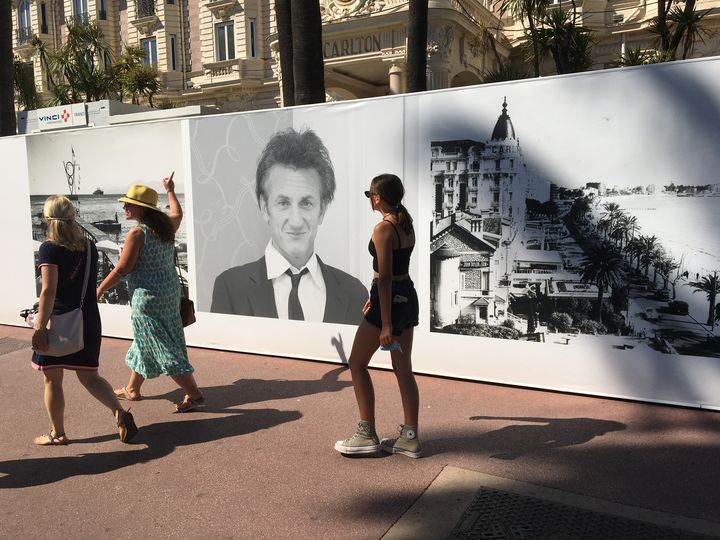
[
  {"x": 365, "y": 441},
  {"x": 406, "y": 444}
]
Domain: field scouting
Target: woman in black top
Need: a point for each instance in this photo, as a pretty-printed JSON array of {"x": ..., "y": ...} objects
[
  {"x": 62, "y": 260},
  {"x": 390, "y": 316}
]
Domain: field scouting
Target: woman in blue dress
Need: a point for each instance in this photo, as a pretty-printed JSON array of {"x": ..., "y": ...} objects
[
  {"x": 147, "y": 263},
  {"x": 62, "y": 261}
]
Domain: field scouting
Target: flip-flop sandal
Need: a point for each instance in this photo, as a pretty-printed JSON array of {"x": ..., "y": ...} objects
[
  {"x": 51, "y": 440},
  {"x": 123, "y": 393},
  {"x": 190, "y": 404}
]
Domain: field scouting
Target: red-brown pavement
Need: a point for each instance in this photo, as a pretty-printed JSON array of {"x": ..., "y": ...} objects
[{"x": 259, "y": 462}]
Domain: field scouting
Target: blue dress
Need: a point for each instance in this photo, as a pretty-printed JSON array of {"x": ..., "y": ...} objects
[{"x": 158, "y": 346}]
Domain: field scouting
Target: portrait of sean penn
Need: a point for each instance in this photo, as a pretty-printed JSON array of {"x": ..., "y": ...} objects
[{"x": 294, "y": 186}]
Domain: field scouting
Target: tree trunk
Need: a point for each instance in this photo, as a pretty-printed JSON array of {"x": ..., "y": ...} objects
[
  {"x": 285, "y": 46},
  {"x": 533, "y": 38},
  {"x": 711, "y": 315},
  {"x": 599, "y": 303},
  {"x": 7, "y": 89},
  {"x": 308, "y": 63},
  {"x": 417, "y": 46}
]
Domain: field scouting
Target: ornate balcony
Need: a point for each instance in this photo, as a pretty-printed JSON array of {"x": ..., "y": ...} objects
[
  {"x": 145, "y": 16},
  {"x": 23, "y": 35},
  {"x": 221, "y": 8}
]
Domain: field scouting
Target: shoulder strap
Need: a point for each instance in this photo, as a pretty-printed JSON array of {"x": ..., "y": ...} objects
[
  {"x": 396, "y": 232},
  {"x": 87, "y": 274}
]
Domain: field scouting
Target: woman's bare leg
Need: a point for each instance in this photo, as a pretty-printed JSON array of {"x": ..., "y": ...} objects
[
  {"x": 402, "y": 366},
  {"x": 100, "y": 389},
  {"x": 367, "y": 341},
  {"x": 55, "y": 399}
]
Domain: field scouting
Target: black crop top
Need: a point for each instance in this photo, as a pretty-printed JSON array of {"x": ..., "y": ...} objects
[{"x": 401, "y": 256}]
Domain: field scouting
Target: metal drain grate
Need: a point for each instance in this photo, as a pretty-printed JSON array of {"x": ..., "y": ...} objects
[{"x": 497, "y": 514}]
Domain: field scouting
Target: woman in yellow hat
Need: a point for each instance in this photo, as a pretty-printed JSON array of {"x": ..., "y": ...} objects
[{"x": 147, "y": 264}]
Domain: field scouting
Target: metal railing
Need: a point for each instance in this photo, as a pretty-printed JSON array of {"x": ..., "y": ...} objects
[
  {"x": 144, "y": 8},
  {"x": 81, "y": 18},
  {"x": 24, "y": 35}
]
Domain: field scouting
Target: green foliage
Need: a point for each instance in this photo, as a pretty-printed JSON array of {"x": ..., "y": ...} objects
[
  {"x": 568, "y": 44},
  {"x": 84, "y": 69},
  {"x": 505, "y": 72},
  {"x": 678, "y": 27},
  {"x": 24, "y": 82}
]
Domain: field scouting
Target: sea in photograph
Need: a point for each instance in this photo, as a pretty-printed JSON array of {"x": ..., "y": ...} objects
[
  {"x": 685, "y": 227},
  {"x": 93, "y": 208}
]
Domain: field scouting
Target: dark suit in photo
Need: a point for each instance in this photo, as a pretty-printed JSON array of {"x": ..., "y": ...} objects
[{"x": 246, "y": 290}]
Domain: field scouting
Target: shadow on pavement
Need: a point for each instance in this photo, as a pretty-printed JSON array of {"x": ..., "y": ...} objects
[
  {"x": 161, "y": 439},
  {"x": 244, "y": 391},
  {"x": 511, "y": 442}
]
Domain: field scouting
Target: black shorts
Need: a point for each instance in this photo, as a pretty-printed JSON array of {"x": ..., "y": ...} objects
[{"x": 404, "y": 306}]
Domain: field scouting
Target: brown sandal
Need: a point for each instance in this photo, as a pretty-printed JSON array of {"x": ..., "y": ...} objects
[
  {"x": 190, "y": 404},
  {"x": 51, "y": 440},
  {"x": 122, "y": 393},
  {"x": 126, "y": 425}
]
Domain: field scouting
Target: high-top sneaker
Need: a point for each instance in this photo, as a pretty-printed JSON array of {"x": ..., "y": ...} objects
[
  {"x": 406, "y": 444},
  {"x": 365, "y": 440}
]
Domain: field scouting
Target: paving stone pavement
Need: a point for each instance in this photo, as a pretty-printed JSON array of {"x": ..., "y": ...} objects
[{"x": 258, "y": 461}]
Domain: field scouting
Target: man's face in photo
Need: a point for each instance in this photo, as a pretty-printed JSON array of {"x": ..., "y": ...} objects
[{"x": 293, "y": 209}]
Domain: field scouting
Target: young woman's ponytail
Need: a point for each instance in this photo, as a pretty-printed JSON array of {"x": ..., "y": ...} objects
[
  {"x": 390, "y": 189},
  {"x": 404, "y": 218}
]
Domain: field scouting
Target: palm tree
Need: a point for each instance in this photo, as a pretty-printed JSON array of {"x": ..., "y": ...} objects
[
  {"x": 285, "y": 44},
  {"x": 24, "y": 81},
  {"x": 7, "y": 89},
  {"x": 308, "y": 62},
  {"x": 634, "y": 248},
  {"x": 567, "y": 43},
  {"x": 710, "y": 285},
  {"x": 417, "y": 45},
  {"x": 603, "y": 266},
  {"x": 505, "y": 72},
  {"x": 676, "y": 26},
  {"x": 532, "y": 10}
]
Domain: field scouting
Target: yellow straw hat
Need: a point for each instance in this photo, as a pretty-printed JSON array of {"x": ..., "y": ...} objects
[{"x": 141, "y": 196}]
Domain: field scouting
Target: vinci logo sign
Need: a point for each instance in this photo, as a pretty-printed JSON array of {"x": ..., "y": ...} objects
[{"x": 62, "y": 117}]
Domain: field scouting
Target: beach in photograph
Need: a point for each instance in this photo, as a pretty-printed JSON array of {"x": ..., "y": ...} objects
[{"x": 686, "y": 228}]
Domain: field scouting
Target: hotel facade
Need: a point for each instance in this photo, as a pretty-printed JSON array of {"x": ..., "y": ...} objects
[{"x": 224, "y": 53}]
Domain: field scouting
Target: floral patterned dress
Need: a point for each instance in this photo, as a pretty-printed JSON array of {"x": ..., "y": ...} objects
[{"x": 158, "y": 346}]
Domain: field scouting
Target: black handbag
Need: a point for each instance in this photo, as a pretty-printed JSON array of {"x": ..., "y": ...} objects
[{"x": 187, "y": 306}]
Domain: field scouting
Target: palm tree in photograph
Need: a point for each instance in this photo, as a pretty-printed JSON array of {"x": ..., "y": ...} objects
[
  {"x": 649, "y": 245},
  {"x": 665, "y": 267},
  {"x": 7, "y": 88},
  {"x": 417, "y": 45},
  {"x": 633, "y": 249},
  {"x": 710, "y": 285},
  {"x": 603, "y": 266}
]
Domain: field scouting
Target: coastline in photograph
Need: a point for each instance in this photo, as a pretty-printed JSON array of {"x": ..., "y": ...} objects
[
  {"x": 516, "y": 256},
  {"x": 102, "y": 219}
]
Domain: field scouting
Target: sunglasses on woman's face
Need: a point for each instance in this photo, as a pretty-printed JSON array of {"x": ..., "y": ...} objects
[{"x": 368, "y": 194}]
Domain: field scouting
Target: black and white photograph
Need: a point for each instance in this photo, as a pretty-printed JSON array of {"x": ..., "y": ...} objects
[
  {"x": 594, "y": 232},
  {"x": 94, "y": 169},
  {"x": 280, "y": 214}
]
